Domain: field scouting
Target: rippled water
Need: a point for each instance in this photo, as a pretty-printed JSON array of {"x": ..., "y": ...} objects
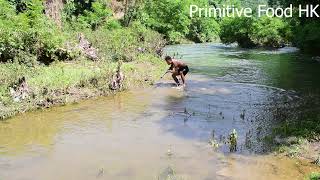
[{"x": 161, "y": 131}]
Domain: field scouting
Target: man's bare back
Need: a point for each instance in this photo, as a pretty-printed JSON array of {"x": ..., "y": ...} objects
[{"x": 177, "y": 68}]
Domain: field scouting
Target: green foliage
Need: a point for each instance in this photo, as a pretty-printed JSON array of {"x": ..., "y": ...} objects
[
  {"x": 167, "y": 17},
  {"x": 270, "y": 32},
  {"x": 27, "y": 34},
  {"x": 307, "y": 37},
  {"x": 306, "y": 30},
  {"x": 125, "y": 44},
  {"x": 306, "y": 128},
  {"x": 86, "y": 14},
  {"x": 251, "y": 32},
  {"x": 239, "y": 30},
  {"x": 96, "y": 16},
  {"x": 171, "y": 18},
  {"x": 77, "y": 7},
  {"x": 204, "y": 30},
  {"x": 313, "y": 176}
]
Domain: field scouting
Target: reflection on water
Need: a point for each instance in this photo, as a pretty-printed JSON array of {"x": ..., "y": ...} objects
[{"x": 162, "y": 131}]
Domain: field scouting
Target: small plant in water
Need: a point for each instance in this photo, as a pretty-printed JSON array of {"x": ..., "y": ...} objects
[
  {"x": 169, "y": 152},
  {"x": 213, "y": 142},
  {"x": 169, "y": 174},
  {"x": 233, "y": 137}
]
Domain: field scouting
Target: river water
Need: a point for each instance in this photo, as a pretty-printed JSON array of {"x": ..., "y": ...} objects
[{"x": 162, "y": 132}]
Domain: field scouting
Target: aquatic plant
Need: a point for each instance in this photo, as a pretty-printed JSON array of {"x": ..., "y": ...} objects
[
  {"x": 214, "y": 144},
  {"x": 169, "y": 174},
  {"x": 233, "y": 137}
]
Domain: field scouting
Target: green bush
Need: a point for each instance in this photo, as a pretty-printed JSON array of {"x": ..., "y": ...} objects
[
  {"x": 125, "y": 43},
  {"x": 307, "y": 37},
  {"x": 270, "y": 32},
  {"x": 204, "y": 30},
  {"x": 96, "y": 16},
  {"x": 27, "y": 34},
  {"x": 167, "y": 17},
  {"x": 314, "y": 176},
  {"x": 237, "y": 30},
  {"x": 251, "y": 32},
  {"x": 86, "y": 14},
  {"x": 171, "y": 18}
]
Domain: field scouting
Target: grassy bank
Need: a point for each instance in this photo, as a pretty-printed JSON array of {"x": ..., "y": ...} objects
[
  {"x": 58, "y": 53},
  {"x": 67, "y": 82},
  {"x": 43, "y": 64},
  {"x": 297, "y": 133}
]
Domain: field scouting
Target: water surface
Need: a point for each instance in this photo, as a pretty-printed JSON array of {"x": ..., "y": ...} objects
[{"x": 160, "y": 131}]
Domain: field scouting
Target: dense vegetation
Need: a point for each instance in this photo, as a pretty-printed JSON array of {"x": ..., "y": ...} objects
[
  {"x": 46, "y": 38},
  {"x": 252, "y": 32},
  {"x": 274, "y": 32},
  {"x": 48, "y": 60},
  {"x": 305, "y": 30},
  {"x": 171, "y": 18}
]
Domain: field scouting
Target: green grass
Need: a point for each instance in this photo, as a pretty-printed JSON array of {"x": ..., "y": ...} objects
[
  {"x": 68, "y": 80},
  {"x": 65, "y": 82},
  {"x": 314, "y": 176}
]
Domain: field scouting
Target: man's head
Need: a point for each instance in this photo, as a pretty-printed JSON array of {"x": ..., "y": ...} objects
[{"x": 168, "y": 60}]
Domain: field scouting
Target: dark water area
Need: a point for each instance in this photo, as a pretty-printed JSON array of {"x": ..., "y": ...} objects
[{"x": 162, "y": 131}]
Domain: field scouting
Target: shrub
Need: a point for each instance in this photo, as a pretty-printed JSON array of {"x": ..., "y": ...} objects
[
  {"x": 307, "y": 37},
  {"x": 270, "y": 32},
  {"x": 28, "y": 34},
  {"x": 171, "y": 18},
  {"x": 204, "y": 30},
  {"x": 125, "y": 43},
  {"x": 314, "y": 176},
  {"x": 251, "y": 32},
  {"x": 96, "y": 16},
  {"x": 237, "y": 30}
]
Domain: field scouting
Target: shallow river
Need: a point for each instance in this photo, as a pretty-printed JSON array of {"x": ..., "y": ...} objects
[{"x": 161, "y": 132}]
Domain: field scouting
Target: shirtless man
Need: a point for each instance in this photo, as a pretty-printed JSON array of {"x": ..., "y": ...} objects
[{"x": 177, "y": 68}]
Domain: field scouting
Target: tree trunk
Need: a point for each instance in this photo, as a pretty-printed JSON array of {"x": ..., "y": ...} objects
[{"x": 53, "y": 10}]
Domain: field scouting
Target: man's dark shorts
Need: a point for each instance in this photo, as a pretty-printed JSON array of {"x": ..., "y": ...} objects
[{"x": 184, "y": 70}]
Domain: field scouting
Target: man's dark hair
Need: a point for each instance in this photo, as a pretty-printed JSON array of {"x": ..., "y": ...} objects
[{"x": 167, "y": 58}]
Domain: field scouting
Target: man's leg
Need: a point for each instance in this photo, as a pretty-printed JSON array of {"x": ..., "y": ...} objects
[
  {"x": 174, "y": 76},
  {"x": 185, "y": 71}
]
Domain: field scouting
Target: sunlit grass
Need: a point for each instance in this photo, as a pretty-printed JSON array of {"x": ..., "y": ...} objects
[
  {"x": 314, "y": 176},
  {"x": 58, "y": 79}
]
